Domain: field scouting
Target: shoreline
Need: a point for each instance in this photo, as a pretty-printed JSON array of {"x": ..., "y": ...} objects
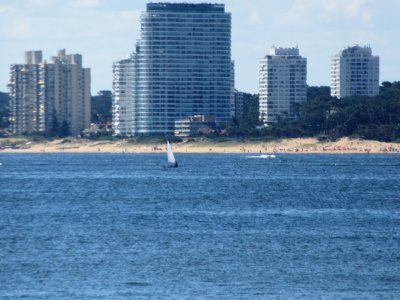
[{"x": 295, "y": 146}]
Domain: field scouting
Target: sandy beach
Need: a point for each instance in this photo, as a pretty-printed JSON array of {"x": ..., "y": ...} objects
[{"x": 297, "y": 145}]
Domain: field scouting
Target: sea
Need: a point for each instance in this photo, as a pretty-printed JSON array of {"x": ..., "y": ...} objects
[{"x": 220, "y": 226}]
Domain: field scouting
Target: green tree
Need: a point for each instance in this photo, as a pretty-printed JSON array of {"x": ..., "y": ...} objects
[
  {"x": 101, "y": 106},
  {"x": 366, "y": 117},
  {"x": 375, "y": 118},
  {"x": 246, "y": 123}
]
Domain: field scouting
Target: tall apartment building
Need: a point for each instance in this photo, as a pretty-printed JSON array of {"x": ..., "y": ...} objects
[
  {"x": 123, "y": 87},
  {"x": 282, "y": 82},
  {"x": 354, "y": 71},
  {"x": 27, "y": 99},
  {"x": 47, "y": 96},
  {"x": 182, "y": 67}
]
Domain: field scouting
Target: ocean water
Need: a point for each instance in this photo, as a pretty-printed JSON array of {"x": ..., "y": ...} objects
[{"x": 221, "y": 226}]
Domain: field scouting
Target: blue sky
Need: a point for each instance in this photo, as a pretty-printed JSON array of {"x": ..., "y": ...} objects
[{"x": 104, "y": 31}]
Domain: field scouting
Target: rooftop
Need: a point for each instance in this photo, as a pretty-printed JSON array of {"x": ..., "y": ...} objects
[
  {"x": 185, "y": 7},
  {"x": 284, "y": 51},
  {"x": 356, "y": 51}
]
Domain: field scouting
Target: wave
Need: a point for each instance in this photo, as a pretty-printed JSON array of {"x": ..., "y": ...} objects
[{"x": 263, "y": 156}]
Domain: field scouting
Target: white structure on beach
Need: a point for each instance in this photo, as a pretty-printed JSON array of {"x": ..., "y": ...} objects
[
  {"x": 354, "y": 71},
  {"x": 282, "y": 82}
]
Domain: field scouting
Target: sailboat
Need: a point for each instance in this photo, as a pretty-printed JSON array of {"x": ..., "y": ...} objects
[{"x": 172, "y": 163}]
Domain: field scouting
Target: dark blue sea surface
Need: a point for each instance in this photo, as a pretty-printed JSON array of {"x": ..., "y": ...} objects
[{"x": 221, "y": 226}]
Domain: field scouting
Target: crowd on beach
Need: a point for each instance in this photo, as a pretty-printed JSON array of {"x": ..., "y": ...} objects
[{"x": 284, "y": 146}]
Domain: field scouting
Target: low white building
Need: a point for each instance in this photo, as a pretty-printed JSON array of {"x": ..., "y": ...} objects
[{"x": 194, "y": 125}]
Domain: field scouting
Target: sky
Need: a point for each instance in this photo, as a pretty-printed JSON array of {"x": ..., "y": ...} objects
[{"x": 105, "y": 31}]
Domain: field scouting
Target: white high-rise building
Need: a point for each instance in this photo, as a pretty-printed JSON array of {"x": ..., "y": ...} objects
[
  {"x": 282, "y": 82},
  {"x": 354, "y": 71},
  {"x": 123, "y": 87},
  {"x": 47, "y": 98},
  {"x": 182, "y": 67}
]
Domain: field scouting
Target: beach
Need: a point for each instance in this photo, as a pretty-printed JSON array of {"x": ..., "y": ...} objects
[{"x": 296, "y": 145}]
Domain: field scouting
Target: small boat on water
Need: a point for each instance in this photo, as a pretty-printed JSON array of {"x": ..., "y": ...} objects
[{"x": 172, "y": 163}]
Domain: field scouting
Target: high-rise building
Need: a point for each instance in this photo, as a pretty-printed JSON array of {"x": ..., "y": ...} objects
[
  {"x": 354, "y": 71},
  {"x": 47, "y": 97},
  {"x": 27, "y": 108},
  {"x": 182, "y": 67},
  {"x": 282, "y": 82},
  {"x": 123, "y": 86}
]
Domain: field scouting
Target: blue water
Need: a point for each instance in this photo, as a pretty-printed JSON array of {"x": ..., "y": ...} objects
[{"x": 221, "y": 226}]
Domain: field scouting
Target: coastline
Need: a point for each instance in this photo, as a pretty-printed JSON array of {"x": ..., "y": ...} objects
[{"x": 296, "y": 145}]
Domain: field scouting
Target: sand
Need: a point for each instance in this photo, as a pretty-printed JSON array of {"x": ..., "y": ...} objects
[{"x": 297, "y": 145}]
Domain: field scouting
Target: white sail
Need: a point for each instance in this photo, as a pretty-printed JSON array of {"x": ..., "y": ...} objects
[{"x": 170, "y": 155}]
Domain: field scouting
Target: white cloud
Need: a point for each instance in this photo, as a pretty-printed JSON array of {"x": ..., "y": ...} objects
[
  {"x": 330, "y": 5},
  {"x": 367, "y": 17},
  {"x": 21, "y": 27},
  {"x": 303, "y": 12},
  {"x": 299, "y": 13},
  {"x": 86, "y": 3},
  {"x": 350, "y": 9},
  {"x": 39, "y": 3},
  {"x": 354, "y": 8},
  {"x": 14, "y": 24},
  {"x": 255, "y": 18},
  {"x": 5, "y": 9}
]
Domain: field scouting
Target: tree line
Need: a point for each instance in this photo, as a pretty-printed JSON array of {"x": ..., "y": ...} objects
[{"x": 326, "y": 117}]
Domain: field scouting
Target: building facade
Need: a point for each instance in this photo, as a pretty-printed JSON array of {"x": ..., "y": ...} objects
[
  {"x": 123, "y": 87},
  {"x": 182, "y": 66},
  {"x": 282, "y": 82},
  {"x": 239, "y": 103},
  {"x": 354, "y": 71},
  {"x": 27, "y": 108},
  {"x": 45, "y": 97},
  {"x": 194, "y": 125}
]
